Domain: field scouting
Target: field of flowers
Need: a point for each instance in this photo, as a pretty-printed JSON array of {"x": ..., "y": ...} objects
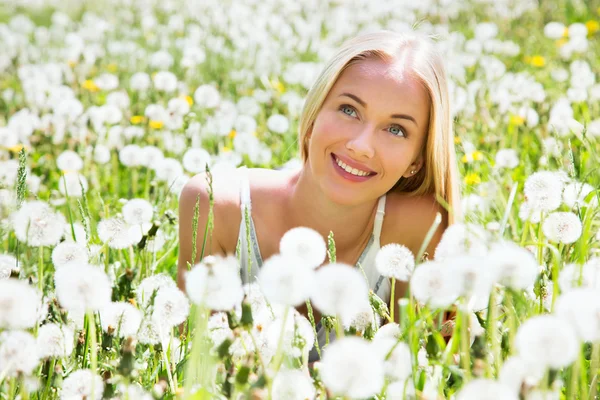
[{"x": 108, "y": 107}]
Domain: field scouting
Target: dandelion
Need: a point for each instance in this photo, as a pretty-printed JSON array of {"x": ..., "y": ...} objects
[
  {"x": 121, "y": 317},
  {"x": 401, "y": 390},
  {"x": 363, "y": 319},
  {"x": 544, "y": 191},
  {"x": 207, "y": 96},
  {"x": 340, "y": 290},
  {"x": 286, "y": 280},
  {"x": 8, "y": 264},
  {"x": 475, "y": 281},
  {"x": 351, "y": 368},
  {"x": 516, "y": 371},
  {"x": 68, "y": 160},
  {"x": 278, "y": 123},
  {"x": 581, "y": 308},
  {"x": 20, "y": 304},
  {"x": 55, "y": 341},
  {"x": 137, "y": 211},
  {"x": 168, "y": 169},
  {"x": 512, "y": 265},
  {"x": 18, "y": 353},
  {"x": 434, "y": 284},
  {"x": 575, "y": 194},
  {"x": 82, "y": 287},
  {"x": 195, "y": 160},
  {"x": 293, "y": 385},
  {"x": 82, "y": 384},
  {"x": 305, "y": 244},
  {"x": 548, "y": 341},
  {"x": 294, "y": 327},
  {"x": 216, "y": 283},
  {"x": 218, "y": 327},
  {"x": 131, "y": 155},
  {"x": 462, "y": 239},
  {"x": 37, "y": 224},
  {"x": 562, "y": 227},
  {"x": 117, "y": 233},
  {"x": 554, "y": 30},
  {"x": 391, "y": 330},
  {"x": 149, "y": 286},
  {"x": 69, "y": 252},
  {"x": 398, "y": 366},
  {"x": 171, "y": 307},
  {"x": 486, "y": 389},
  {"x": 395, "y": 261},
  {"x": 507, "y": 158},
  {"x": 72, "y": 184},
  {"x": 526, "y": 212},
  {"x": 165, "y": 81}
]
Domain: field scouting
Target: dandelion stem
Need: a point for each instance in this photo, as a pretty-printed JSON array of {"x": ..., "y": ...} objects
[
  {"x": 392, "y": 300},
  {"x": 41, "y": 269},
  {"x": 49, "y": 378},
  {"x": 465, "y": 342},
  {"x": 436, "y": 223},
  {"x": 594, "y": 366},
  {"x": 93, "y": 348},
  {"x": 168, "y": 366}
]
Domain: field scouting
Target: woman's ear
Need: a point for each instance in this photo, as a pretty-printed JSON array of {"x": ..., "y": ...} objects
[{"x": 415, "y": 167}]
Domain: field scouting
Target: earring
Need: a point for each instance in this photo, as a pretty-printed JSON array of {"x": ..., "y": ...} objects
[{"x": 413, "y": 172}]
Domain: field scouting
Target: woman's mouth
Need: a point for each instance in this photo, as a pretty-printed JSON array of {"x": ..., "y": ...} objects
[{"x": 350, "y": 173}]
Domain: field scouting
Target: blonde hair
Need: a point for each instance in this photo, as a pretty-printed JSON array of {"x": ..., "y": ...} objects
[{"x": 439, "y": 174}]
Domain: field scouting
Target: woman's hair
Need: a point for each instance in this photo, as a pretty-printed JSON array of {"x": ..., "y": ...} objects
[{"x": 439, "y": 174}]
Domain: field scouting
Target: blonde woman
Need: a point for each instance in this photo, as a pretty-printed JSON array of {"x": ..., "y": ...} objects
[{"x": 377, "y": 147}]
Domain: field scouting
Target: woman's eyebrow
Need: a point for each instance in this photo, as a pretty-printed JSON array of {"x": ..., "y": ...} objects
[{"x": 362, "y": 103}]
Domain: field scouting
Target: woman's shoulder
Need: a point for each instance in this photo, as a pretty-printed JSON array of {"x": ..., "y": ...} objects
[{"x": 408, "y": 219}]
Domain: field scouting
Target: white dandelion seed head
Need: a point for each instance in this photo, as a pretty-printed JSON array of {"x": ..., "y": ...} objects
[
  {"x": 165, "y": 81},
  {"x": 82, "y": 287},
  {"x": 117, "y": 233},
  {"x": 488, "y": 389},
  {"x": 398, "y": 366},
  {"x": 218, "y": 328},
  {"x": 216, "y": 283},
  {"x": 37, "y": 224},
  {"x": 278, "y": 123},
  {"x": 476, "y": 281},
  {"x": 131, "y": 155},
  {"x": 55, "y": 341},
  {"x": 575, "y": 194},
  {"x": 340, "y": 290},
  {"x": 72, "y": 184},
  {"x": 403, "y": 390},
  {"x": 305, "y": 244},
  {"x": 293, "y": 384},
  {"x": 150, "y": 333},
  {"x": 18, "y": 353},
  {"x": 516, "y": 371},
  {"x": 507, "y": 158},
  {"x": 295, "y": 325},
  {"x": 78, "y": 386},
  {"x": 562, "y": 227},
  {"x": 122, "y": 317},
  {"x": 554, "y": 30},
  {"x": 547, "y": 340},
  {"x": 20, "y": 304},
  {"x": 157, "y": 242},
  {"x": 286, "y": 280},
  {"x": 462, "y": 239},
  {"x": 390, "y": 330},
  {"x": 137, "y": 211},
  {"x": 107, "y": 81},
  {"x": 526, "y": 212},
  {"x": 133, "y": 391},
  {"x": 363, "y": 319},
  {"x": 148, "y": 286},
  {"x": 395, "y": 261},
  {"x": 167, "y": 170},
  {"x": 195, "y": 160},
  {"x": 69, "y": 252},
  {"x": 512, "y": 265},
  {"x": 543, "y": 190},
  {"x": 351, "y": 368},
  {"x": 80, "y": 235},
  {"x": 140, "y": 81},
  {"x": 581, "y": 308},
  {"x": 434, "y": 284},
  {"x": 207, "y": 96},
  {"x": 171, "y": 307},
  {"x": 473, "y": 203},
  {"x": 69, "y": 160},
  {"x": 8, "y": 264}
]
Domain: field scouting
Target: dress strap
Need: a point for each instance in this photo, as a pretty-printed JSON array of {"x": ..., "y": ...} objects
[
  {"x": 379, "y": 219},
  {"x": 245, "y": 189}
]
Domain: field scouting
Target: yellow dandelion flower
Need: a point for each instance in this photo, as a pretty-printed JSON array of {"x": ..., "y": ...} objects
[
  {"x": 90, "y": 85},
  {"x": 472, "y": 179},
  {"x": 156, "y": 124},
  {"x": 16, "y": 148},
  {"x": 561, "y": 42},
  {"x": 466, "y": 158},
  {"x": 232, "y": 134},
  {"x": 566, "y": 32},
  {"x": 477, "y": 155},
  {"x": 538, "y": 61},
  {"x": 71, "y": 63},
  {"x": 137, "y": 119},
  {"x": 278, "y": 86},
  {"x": 456, "y": 139},
  {"x": 132, "y": 302},
  {"x": 112, "y": 67},
  {"x": 189, "y": 100},
  {"x": 516, "y": 120},
  {"x": 226, "y": 149},
  {"x": 592, "y": 26}
]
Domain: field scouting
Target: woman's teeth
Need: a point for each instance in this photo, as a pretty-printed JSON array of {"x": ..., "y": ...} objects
[{"x": 349, "y": 169}]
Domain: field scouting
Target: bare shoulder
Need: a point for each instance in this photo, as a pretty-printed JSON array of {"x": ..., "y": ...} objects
[{"x": 409, "y": 218}]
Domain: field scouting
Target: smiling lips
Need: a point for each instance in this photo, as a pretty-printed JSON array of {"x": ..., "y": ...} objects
[{"x": 352, "y": 169}]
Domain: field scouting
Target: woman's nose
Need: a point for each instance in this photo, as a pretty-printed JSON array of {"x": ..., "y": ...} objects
[{"x": 361, "y": 144}]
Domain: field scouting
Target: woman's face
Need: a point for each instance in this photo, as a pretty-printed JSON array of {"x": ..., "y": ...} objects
[{"x": 373, "y": 123}]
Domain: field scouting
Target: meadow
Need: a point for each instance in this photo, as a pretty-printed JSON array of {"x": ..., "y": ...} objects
[{"x": 108, "y": 107}]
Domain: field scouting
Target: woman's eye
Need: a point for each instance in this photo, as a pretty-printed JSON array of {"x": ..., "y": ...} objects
[
  {"x": 348, "y": 110},
  {"x": 396, "y": 130}
]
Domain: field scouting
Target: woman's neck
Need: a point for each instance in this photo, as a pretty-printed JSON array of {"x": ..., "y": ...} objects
[{"x": 307, "y": 205}]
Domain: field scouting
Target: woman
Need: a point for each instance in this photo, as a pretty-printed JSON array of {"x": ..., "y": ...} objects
[{"x": 377, "y": 147}]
